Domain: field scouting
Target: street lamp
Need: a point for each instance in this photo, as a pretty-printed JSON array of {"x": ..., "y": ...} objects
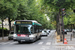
[{"x": 63, "y": 14}]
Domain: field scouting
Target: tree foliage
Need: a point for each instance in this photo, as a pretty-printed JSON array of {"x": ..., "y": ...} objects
[{"x": 22, "y": 10}]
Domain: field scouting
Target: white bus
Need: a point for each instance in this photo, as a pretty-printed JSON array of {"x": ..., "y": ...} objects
[{"x": 27, "y": 30}]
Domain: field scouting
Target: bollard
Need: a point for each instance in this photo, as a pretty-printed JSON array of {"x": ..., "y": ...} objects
[{"x": 71, "y": 37}]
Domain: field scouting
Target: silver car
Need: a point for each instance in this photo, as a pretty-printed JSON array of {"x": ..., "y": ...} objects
[
  {"x": 10, "y": 36},
  {"x": 73, "y": 30},
  {"x": 44, "y": 33}
]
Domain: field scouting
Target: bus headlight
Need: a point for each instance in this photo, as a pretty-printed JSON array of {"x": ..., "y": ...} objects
[
  {"x": 14, "y": 35},
  {"x": 31, "y": 36}
]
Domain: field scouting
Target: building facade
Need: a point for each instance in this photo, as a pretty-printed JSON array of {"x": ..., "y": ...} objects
[{"x": 6, "y": 23}]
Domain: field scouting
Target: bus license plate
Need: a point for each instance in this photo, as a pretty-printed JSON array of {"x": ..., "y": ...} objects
[{"x": 22, "y": 40}]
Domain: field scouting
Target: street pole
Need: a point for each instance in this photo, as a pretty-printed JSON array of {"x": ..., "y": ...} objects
[
  {"x": 60, "y": 30},
  {"x": 63, "y": 28},
  {"x": 60, "y": 25},
  {"x": 63, "y": 14}
]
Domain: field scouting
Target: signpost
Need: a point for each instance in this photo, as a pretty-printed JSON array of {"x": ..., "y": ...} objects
[{"x": 63, "y": 14}]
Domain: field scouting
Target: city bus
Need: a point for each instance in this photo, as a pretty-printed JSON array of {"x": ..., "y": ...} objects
[{"x": 27, "y": 30}]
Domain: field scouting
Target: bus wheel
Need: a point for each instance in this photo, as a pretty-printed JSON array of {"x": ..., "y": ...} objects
[
  {"x": 40, "y": 37},
  {"x": 8, "y": 38},
  {"x": 19, "y": 42}
]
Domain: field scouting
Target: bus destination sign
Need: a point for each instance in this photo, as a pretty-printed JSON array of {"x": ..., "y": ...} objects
[{"x": 23, "y": 22}]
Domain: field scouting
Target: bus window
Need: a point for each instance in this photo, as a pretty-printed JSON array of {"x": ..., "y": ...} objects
[
  {"x": 23, "y": 29},
  {"x": 36, "y": 30},
  {"x": 31, "y": 29}
]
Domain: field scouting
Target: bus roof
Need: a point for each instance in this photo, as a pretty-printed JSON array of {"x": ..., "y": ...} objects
[
  {"x": 28, "y": 20},
  {"x": 33, "y": 21}
]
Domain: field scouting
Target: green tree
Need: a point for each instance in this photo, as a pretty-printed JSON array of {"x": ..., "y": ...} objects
[
  {"x": 8, "y": 8},
  {"x": 57, "y": 5}
]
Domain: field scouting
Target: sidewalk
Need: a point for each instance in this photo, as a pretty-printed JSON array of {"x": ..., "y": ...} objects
[
  {"x": 69, "y": 41},
  {"x": 5, "y": 39}
]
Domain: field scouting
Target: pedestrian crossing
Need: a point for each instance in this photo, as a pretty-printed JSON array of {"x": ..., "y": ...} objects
[
  {"x": 7, "y": 43},
  {"x": 48, "y": 43},
  {"x": 11, "y": 43},
  {"x": 65, "y": 47},
  {"x": 40, "y": 43},
  {"x": 44, "y": 43}
]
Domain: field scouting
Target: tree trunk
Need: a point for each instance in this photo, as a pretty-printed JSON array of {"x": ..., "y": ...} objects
[
  {"x": 9, "y": 24},
  {"x": 2, "y": 31},
  {"x": 63, "y": 29},
  {"x": 60, "y": 30},
  {"x": 57, "y": 25},
  {"x": 60, "y": 25}
]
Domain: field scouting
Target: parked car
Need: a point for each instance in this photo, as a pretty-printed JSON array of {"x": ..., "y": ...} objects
[
  {"x": 68, "y": 30},
  {"x": 44, "y": 33},
  {"x": 73, "y": 30},
  {"x": 10, "y": 36},
  {"x": 65, "y": 31},
  {"x": 48, "y": 31}
]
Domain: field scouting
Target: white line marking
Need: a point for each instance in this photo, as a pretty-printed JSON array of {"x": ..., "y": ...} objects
[
  {"x": 1, "y": 42},
  {"x": 45, "y": 47},
  {"x": 40, "y": 43},
  {"x": 6, "y": 43},
  {"x": 69, "y": 47},
  {"x": 48, "y": 43},
  {"x": 13, "y": 42}
]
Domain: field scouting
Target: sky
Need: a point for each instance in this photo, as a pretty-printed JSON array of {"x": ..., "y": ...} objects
[{"x": 47, "y": 17}]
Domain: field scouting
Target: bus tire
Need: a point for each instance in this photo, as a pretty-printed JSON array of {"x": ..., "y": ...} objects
[
  {"x": 19, "y": 42},
  {"x": 40, "y": 37},
  {"x": 8, "y": 38}
]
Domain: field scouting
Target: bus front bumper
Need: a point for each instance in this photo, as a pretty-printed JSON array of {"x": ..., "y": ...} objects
[{"x": 23, "y": 39}]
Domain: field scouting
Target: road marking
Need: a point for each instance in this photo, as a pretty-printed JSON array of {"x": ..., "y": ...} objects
[
  {"x": 1, "y": 43},
  {"x": 5, "y": 43},
  {"x": 65, "y": 47},
  {"x": 48, "y": 43},
  {"x": 45, "y": 47},
  {"x": 70, "y": 47},
  {"x": 40, "y": 43},
  {"x": 13, "y": 42}
]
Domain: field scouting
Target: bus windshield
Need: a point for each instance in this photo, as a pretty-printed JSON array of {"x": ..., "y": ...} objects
[{"x": 23, "y": 29}]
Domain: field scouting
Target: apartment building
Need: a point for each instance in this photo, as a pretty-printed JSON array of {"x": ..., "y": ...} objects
[{"x": 6, "y": 23}]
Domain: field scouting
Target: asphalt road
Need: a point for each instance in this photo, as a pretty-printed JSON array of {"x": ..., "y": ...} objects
[{"x": 46, "y": 43}]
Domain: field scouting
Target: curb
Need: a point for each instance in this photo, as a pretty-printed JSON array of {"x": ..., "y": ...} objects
[
  {"x": 5, "y": 40},
  {"x": 61, "y": 44}
]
